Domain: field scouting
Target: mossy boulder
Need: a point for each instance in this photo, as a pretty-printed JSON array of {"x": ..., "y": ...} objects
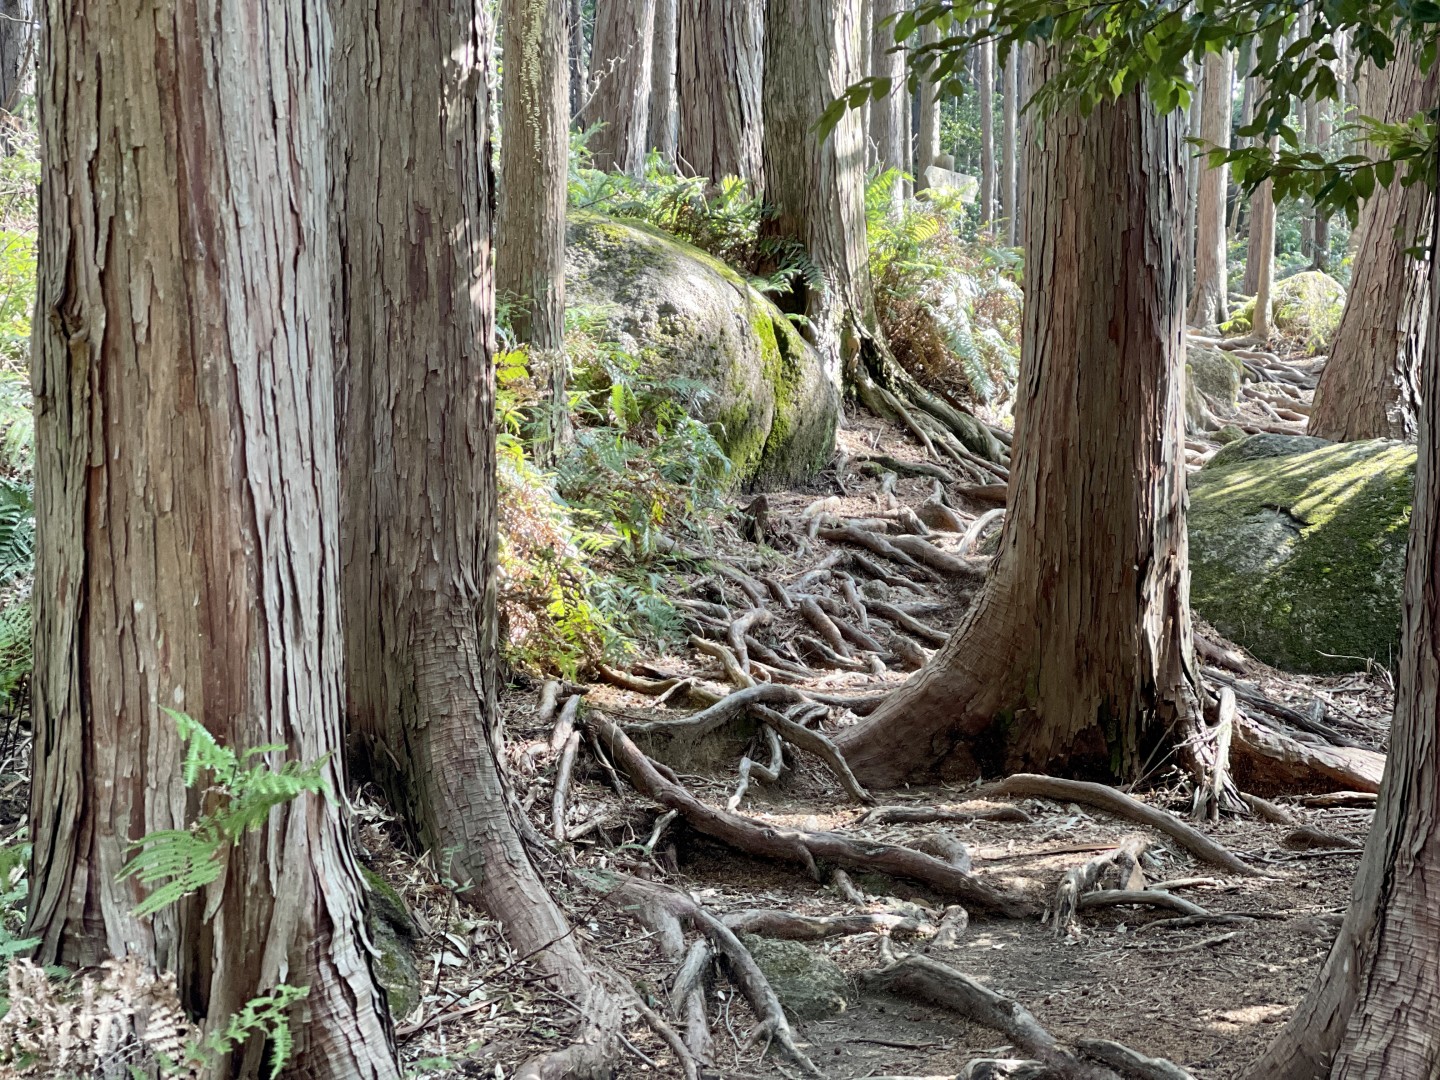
[
  {"x": 809, "y": 984},
  {"x": 1212, "y": 387},
  {"x": 394, "y": 934},
  {"x": 1307, "y": 307},
  {"x": 1297, "y": 548},
  {"x": 768, "y": 394}
]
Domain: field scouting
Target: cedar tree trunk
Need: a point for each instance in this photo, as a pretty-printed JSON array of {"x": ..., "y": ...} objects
[
  {"x": 721, "y": 73},
  {"x": 620, "y": 68},
  {"x": 664, "y": 110},
  {"x": 927, "y": 145},
  {"x": 887, "y": 114},
  {"x": 1009, "y": 115},
  {"x": 985, "y": 90},
  {"x": 1209, "y": 292}
]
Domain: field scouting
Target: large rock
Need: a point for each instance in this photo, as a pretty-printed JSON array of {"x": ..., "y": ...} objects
[
  {"x": 1297, "y": 548},
  {"x": 769, "y": 396},
  {"x": 809, "y": 984},
  {"x": 1212, "y": 387},
  {"x": 1305, "y": 307}
]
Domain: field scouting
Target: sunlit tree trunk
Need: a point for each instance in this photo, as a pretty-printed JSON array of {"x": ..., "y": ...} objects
[
  {"x": 17, "y": 49},
  {"x": 927, "y": 143},
  {"x": 1209, "y": 291},
  {"x": 1077, "y": 655},
  {"x": 186, "y": 492},
  {"x": 621, "y": 64},
  {"x": 414, "y": 311},
  {"x": 1374, "y": 1010},
  {"x": 887, "y": 113},
  {"x": 1262, "y": 254},
  {"x": 985, "y": 89},
  {"x": 579, "y": 58},
  {"x": 1008, "y": 191},
  {"x": 1370, "y": 386},
  {"x": 534, "y": 171},
  {"x": 722, "y": 65},
  {"x": 664, "y": 114}
]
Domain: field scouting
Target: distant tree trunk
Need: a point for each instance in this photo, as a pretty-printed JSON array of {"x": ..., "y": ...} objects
[
  {"x": 1370, "y": 386},
  {"x": 1025, "y": 62},
  {"x": 1374, "y": 1009},
  {"x": 534, "y": 172},
  {"x": 620, "y": 69},
  {"x": 579, "y": 54},
  {"x": 867, "y": 42},
  {"x": 1262, "y": 253},
  {"x": 186, "y": 484},
  {"x": 1321, "y": 260},
  {"x": 664, "y": 114},
  {"x": 1077, "y": 655},
  {"x": 887, "y": 115},
  {"x": 722, "y": 66},
  {"x": 1209, "y": 292},
  {"x": 986, "y": 90},
  {"x": 927, "y": 145},
  {"x": 817, "y": 186},
  {"x": 1192, "y": 169},
  {"x": 1007, "y": 153},
  {"x": 414, "y": 311},
  {"x": 17, "y": 49}
]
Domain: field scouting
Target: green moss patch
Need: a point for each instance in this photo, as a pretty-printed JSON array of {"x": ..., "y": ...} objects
[{"x": 1300, "y": 556}]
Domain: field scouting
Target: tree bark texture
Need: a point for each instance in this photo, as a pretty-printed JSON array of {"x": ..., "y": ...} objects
[
  {"x": 534, "y": 170},
  {"x": 985, "y": 88},
  {"x": 620, "y": 68},
  {"x": 722, "y": 66},
  {"x": 817, "y": 187},
  {"x": 927, "y": 143},
  {"x": 414, "y": 310},
  {"x": 17, "y": 49},
  {"x": 1261, "y": 254},
  {"x": 1209, "y": 293},
  {"x": 1374, "y": 1009},
  {"x": 887, "y": 114},
  {"x": 664, "y": 111},
  {"x": 187, "y": 505},
  {"x": 1010, "y": 113},
  {"x": 579, "y": 58},
  {"x": 1370, "y": 386},
  {"x": 1077, "y": 655}
]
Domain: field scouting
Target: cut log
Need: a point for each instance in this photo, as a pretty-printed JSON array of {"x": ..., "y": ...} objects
[{"x": 1286, "y": 764}]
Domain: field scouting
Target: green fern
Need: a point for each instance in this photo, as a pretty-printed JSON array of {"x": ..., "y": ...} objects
[{"x": 177, "y": 862}]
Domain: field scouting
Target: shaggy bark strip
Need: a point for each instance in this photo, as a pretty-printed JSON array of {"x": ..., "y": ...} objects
[
  {"x": 1121, "y": 865},
  {"x": 797, "y": 846}
]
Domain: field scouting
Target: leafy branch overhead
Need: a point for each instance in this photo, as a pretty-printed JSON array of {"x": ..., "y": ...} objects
[{"x": 1104, "y": 50}]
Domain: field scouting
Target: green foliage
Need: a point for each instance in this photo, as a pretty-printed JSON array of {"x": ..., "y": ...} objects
[
  {"x": 266, "y": 1016},
  {"x": 578, "y": 582},
  {"x": 1112, "y": 48},
  {"x": 949, "y": 307},
  {"x": 243, "y": 790},
  {"x": 17, "y": 297},
  {"x": 14, "y": 891},
  {"x": 722, "y": 218}
]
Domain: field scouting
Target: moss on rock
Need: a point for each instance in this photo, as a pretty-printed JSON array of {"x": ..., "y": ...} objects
[
  {"x": 394, "y": 935},
  {"x": 1307, "y": 307},
  {"x": 1297, "y": 548},
  {"x": 770, "y": 401},
  {"x": 809, "y": 984}
]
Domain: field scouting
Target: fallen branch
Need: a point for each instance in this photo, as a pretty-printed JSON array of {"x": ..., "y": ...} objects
[
  {"x": 562, "y": 783},
  {"x": 1293, "y": 717},
  {"x": 1122, "y": 805},
  {"x": 1150, "y": 897},
  {"x": 797, "y": 846},
  {"x": 894, "y": 815},
  {"x": 793, "y": 927},
  {"x": 1287, "y": 763}
]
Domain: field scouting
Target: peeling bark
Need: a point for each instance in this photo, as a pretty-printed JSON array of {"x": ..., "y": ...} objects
[
  {"x": 1077, "y": 656},
  {"x": 186, "y": 506}
]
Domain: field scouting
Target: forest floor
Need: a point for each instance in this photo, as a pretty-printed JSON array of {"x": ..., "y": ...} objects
[{"x": 1209, "y": 997}]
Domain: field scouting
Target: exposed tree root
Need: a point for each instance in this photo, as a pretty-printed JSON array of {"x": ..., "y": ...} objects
[
  {"x": 874, "y": 542},
  {"x": 796, "y": 846},
  {"x": 815, "y": 743},
  {"x": 1122, "y": 805},
  {"x": 890, "y": 613},
  {"x": 750, "y": 767},
  {"x": 728, "y": 708},
  {"x": 891, "y": 815},
  {"x": 687, "y": 993},
  {"x": 828, "y": 631},
  {"x": 1216, "y": 793},
  {"x": 1309, "y": 838},
  {"x": 1120, "y": 866},
  {"x": 792, "y": 927},
  {"x": 669, "y": 1037},
  {"x": 1286, "y": 763},
  {"x": 1130, "y": 1064},
  {"x": 1151, "y": 897},
  {"x": 654, "y": 904},
  {"x": 1266, "y": 810},
  {"x": 940, "y": 984},
  {"x": 562, "y": 783},
  {"x": 990, "y": 494}
]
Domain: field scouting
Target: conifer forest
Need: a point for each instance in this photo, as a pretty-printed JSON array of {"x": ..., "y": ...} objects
[{"x": 719, "y": 539}]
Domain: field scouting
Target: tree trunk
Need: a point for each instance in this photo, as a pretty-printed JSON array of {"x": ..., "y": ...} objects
[
  {"x": 17, "y": 50},
  {"x": 1192, "y": 170},
  {"x": 887, "y": 114},
  {"x": 1374, "y": 1009},
  {"x": 1370, "y": 386},
  {"x": 1209, "y": 293},
  {"x": 1077, "y": 655},
  {"x": 1007, "y": 153},
  {"x": 414, "y": 310},
  {"x": 816, "y": 186},
  {"x": 1262, "y": 253},
  {"x": 986, "y": 91},
  {"x": 579, "y": 57},
  {"x": 722, "y": 65},
  {"x": 620, "y": 69},
  {"x": 664, "y": 111},
  {"x": 927, "y": 145},
  {"x": 186, "y": 485},
  {"x": 867, "y": 40},
  {"x": 534, "y": 172},
  {"x": 1323, "y": 131}
]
